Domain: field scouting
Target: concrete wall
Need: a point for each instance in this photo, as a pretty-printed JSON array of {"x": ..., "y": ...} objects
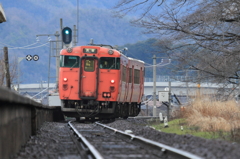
[{"x": 21, "y": 117}]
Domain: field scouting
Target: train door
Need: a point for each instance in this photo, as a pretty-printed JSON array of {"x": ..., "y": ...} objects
[
  {"x": 89, "y": 78},
  {"x": 141, "y": 81},
  {"x": 131, "y": 84},
  {"x": 126, "y": 86},
  {"x": 122, "y": 89}
]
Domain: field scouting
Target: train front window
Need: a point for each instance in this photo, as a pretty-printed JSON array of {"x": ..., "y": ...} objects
[
  {"x": 109, "y": 63},
  {"x": 89, "y": 65},
  {"x": 69, "y": 61}
]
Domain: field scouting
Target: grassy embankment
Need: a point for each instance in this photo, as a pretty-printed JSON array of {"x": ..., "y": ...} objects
[{"x": 207, "y": 118}]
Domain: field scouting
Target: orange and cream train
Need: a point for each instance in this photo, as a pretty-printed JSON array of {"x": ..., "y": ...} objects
[{"x": 99, "y": 82}]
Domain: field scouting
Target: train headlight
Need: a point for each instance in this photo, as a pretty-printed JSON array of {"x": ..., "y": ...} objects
[
  {"x": 110, "y": 52},
  {"x": 69, "y": 50},
  {"x": 65, "y": 79},
  {"x": 112, "y": 81}
]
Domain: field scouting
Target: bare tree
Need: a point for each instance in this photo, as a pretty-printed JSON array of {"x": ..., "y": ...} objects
[{"x": 202, "y": 35}]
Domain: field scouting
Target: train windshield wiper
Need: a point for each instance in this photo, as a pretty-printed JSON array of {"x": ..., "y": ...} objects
[
  {"x": 74, "y": 65},
  {"x": 112, "y": 66}
]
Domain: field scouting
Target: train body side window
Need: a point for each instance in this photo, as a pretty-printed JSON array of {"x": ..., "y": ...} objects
[
  {"x": 124, "y": 72},
  {"x": 130, "y": 75},
  {"x": 137, "y": 76},
  {"x": 69, "y": 61},
  {"x": 109, "y": 63}
]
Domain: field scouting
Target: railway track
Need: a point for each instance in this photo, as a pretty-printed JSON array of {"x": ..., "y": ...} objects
[
  {"x": 101, "y": 141},
  {"x": 95, "y": 140}
]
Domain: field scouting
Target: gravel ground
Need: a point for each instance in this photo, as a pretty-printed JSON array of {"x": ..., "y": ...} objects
[
  {"x": 51, "y": 142},
  {"x": 210, "y": 149}
]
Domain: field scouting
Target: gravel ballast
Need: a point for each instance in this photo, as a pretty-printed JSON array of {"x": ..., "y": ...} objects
[{"x": 211, "y": 149}]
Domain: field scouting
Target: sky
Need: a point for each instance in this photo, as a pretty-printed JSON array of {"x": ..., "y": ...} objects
[{"x": 28, "y": 18}]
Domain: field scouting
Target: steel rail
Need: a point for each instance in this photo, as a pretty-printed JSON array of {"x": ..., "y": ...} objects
[
  {"x": 144, "y": 117},
  {"x": 91, "y": 148},
  {"x": 164, "y": 148}
]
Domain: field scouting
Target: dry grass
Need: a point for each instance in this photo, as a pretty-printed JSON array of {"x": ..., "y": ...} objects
[{"x": 212, "y": 115}]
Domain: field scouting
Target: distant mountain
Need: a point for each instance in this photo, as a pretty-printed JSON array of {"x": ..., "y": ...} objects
[
  {"x": 28, "y": 18},
  {"x": 144, "y": 50}
]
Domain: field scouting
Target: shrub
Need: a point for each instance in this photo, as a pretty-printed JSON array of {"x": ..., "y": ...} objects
[{"x": 214, "y": 116}]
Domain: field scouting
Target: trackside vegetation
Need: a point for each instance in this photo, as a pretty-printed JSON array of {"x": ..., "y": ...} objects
[{"x": 208, "y": 118}]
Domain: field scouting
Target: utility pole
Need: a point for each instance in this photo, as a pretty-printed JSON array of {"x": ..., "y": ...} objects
[
  {"x": 169, "y": 100},
  {"x": 77, "y": 21},
  {"x": 199, "y": 83},
  {"x": 6, "y": 68},
  {"x": 147, "y": 107},
  {"x": 57, "y": 57},
  {"x": 187, "y": 83},
  {"x": 154, "y": 86},
  {"x": 57, "y": 52},
  {"x": 154, "y": 81},
  {"x": 74, "y": 35},
  {"x": 61, "y": 28}
]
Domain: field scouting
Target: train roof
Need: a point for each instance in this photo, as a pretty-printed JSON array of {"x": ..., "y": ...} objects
[
  {"x": 136, "y": 59},
  {"x": 102, "y": 45},
  {"x": 111, "y": 47}
]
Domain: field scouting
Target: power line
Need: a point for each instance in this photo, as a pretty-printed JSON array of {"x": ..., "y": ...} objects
[
  {"x": 6, "y": 44},
  {"x": 21, "y": 46},
  {"x": 158, "y": 65},
  {"x": 29, "y": 47},
  {"x": 25, "y": 46}
]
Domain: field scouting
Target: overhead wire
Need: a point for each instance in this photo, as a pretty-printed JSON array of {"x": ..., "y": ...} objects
[
  {"x": 6, "y": 44},
  {"x": 26, "y": 45},
  {"x": 21, "y": 46},
  {"x": 29, "y": 47},
  {"x": 151, "y": 65},
  {"x": 159, "y": 65}
]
